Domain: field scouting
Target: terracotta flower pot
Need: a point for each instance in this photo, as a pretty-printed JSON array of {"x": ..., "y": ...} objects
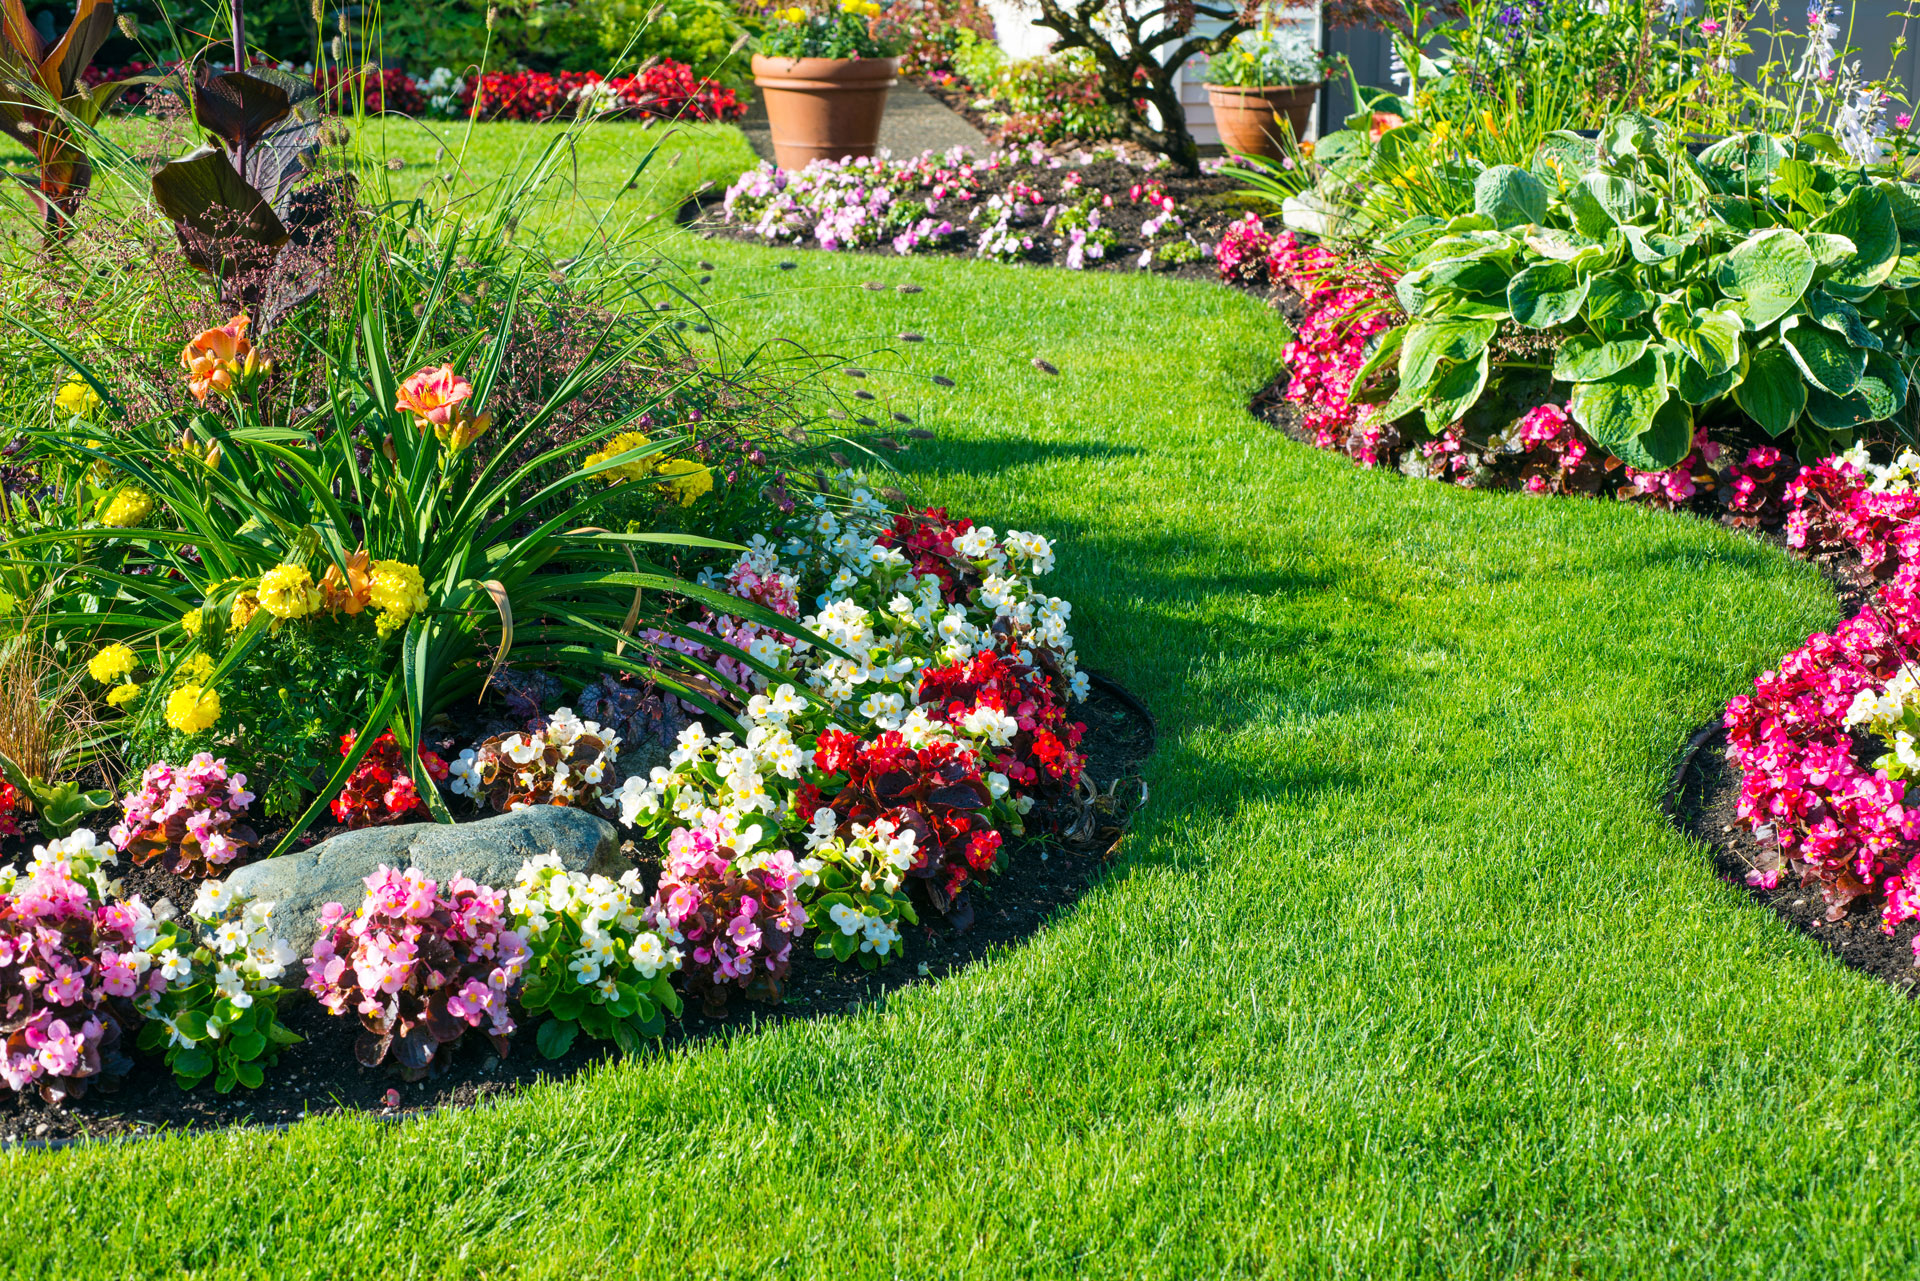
[
  {"x": 1248, "y": 116},
  {"x": 824, "y": 108}
]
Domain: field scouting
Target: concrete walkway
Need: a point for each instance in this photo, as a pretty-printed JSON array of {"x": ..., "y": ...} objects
[{"x": 915, "y": 122}]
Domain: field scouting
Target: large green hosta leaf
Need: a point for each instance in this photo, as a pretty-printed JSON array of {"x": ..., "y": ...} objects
[
  {"x": 1712, "y": 338},
  {"x": 1666, "y": 441},
  {"x": 1546, "y": 294},
  {"x": 1615, "y": 409},
  {"x": 1454, "y": 392},
  {"x": 1878, "y": 396},
  {"x": 1771, "y": 390},
  {"x": 1866, "y": 218},
  {"x": 1765, "y": 276},
  {"x": 1584, "y": 358},
  {"x": 1829, "y": 361},
  {"x": 1510, "y": 196},
  {"x": 1430, "y": 342}
]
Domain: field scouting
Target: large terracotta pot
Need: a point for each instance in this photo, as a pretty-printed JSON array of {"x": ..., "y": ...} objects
[
  {"x": 824, "y": 108},
  {"x": 1248, "y": 117}
]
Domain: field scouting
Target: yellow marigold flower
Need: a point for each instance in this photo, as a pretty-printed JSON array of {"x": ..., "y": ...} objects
[
  {"x": 130, "y": 506},
  {"x": 77, "y": 398},
  {"x": 191, "y": 621},
  {"x": 686, "y": 480},
  {"x": 397, "y": 591},
  {"x": 245, "y": 606},
  {"x": 288, "y": 591},
  {"x": 111, "y": 663},
  {"x": 795, "y": 14},
  {"x": 194, "y": 671},
  {"x": 191, "y": 709},
  {"x": 638, "y": 469},
  {"x": 121, "y": 695}
]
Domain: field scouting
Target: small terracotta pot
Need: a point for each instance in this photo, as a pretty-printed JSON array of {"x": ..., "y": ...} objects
[
  {"x": 824, "y": 108},
  {"x": 1248, "y": 116}
]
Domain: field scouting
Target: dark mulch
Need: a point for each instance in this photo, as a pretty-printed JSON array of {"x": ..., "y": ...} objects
[
  {"x": 1704, "y": 803},
  {"x": 1044, "y": 875},
  {"x": 1207, "y": 203}
]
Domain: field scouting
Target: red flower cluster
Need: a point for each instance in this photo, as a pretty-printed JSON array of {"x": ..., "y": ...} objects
[
  {"x": 1804, "y": 785},
  {"x": 927, "y": 539},
  {"x": 9, "y": 810},
  {"x": 1041, "y": 757},
  {"x": 371, "y": 90},
  {"x": 380, "y": 790},
  {"x": 664, "y": 91},
  {"x": 938, "y": 791}
]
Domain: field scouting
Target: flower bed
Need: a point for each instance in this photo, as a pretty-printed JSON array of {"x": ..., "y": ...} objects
[
  {"x": 1080, "y": 210},
  {"x": 666, "y": 90}
]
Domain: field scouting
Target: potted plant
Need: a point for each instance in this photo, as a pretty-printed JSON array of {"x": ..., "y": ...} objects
[
  {"x": 824, "y": 75},
  {"x": 1262, "y": 76}
]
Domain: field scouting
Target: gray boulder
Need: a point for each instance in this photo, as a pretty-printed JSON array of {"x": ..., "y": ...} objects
[{"x": 490, "y": 851}]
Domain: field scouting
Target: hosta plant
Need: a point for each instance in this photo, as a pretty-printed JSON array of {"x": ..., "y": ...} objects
[
  {"x": 219, "y": 1013},
  {"x": 592, "y": 964},
  {"x": 419, "y": 966},
  {"x": 1666, "y": 290}
]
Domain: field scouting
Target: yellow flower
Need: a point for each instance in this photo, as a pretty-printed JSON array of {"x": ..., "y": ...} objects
[
  {"x": 129, "y": 507},
  {"x": 191, "y": 621},
  {"x": 287, "y": 591},
  {"x": 191, "y": 709},
  {"x": 245, "y": 606},
  {"x": 121, "y": 695},
  {"x": 111, "y": 663},
  {"x": 638, "y": 469},
  {"x": 77, "y": 398},
  {"x": 194, "y": 671},
  {"x": 686, "y": 480},
  {"x": 397, "y": 591},
  {"x": 795, "y": 14}
]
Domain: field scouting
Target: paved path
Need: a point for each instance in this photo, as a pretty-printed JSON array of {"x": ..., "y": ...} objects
[{"x": 915, "y": 122}]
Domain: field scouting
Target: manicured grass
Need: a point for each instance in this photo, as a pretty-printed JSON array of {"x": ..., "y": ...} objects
[{"x": 1401, "y": 972}]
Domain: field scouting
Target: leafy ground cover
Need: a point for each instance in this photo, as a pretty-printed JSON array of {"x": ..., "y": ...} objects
[{"x": 1401, "y": 972}]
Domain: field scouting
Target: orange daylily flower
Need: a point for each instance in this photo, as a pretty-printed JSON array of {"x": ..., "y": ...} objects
[
  {"x": 437, "y": 400},
  {"x": 221, "y": 360},
  {"x": 351, "y": 592}
]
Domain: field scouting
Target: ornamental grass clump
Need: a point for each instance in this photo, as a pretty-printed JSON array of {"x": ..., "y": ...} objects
[
  {"x": 218, "y": 1014},
  {"x": 734, "y": 918},
  {"x": 71, "y": 962},
  {"x": 593, "y": 965},
  {"x": 419, "y": 966},
  {"x": 189, "y": 818}
]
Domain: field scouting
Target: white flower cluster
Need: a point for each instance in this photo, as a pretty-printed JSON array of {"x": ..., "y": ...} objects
[
  {"x": 607, "y": 914},
  {"x": 1896, "y": 477},
  {"x": 582, "y": 755},
  {"x": 241, "y": 955},
  {"x": 872, "y": 863},
  {"x": 718, "y": 775},
  {"x": 84, "y": 855},
  {"x": 1893, "y": 713}
]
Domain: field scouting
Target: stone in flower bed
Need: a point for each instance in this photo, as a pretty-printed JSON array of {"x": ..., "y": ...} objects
[
  {"x": 1082, "y": 210},
  {"x": 490, "y": 851}
]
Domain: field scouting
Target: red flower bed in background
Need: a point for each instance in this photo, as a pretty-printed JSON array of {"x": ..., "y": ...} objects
[{"x": 665, "y": 91}]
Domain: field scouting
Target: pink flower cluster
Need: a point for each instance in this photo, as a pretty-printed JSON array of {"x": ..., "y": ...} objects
[
  {"x": 1329, "y": 344},
  {"x": 420, "y": 967},
  {"x": 1553, "y": 446},
  {"x": 187, "y": 817},
  {"x": 63, "y": 962},
  {"x": 1677, "y": 484},
  {"x": 1804, "y": 788},
  {"x": 737, "y": 924},
  {"x": 1832, "y": 507}
]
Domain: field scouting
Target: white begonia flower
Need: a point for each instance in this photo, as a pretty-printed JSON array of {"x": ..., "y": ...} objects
[
  {"x": 230, "y": 938},
  {"x": 212, "y": 900},
  {"x": 228, "y": 985},
  {"x": 174, "y": 966}
]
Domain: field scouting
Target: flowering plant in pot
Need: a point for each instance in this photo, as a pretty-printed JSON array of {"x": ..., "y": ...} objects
[
  {"x": 824, "y": 73},
  {"x": 1263, "y": 76}
]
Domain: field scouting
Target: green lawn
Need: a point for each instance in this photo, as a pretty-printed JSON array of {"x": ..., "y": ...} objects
[{"x": 1401, "y": 973}]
